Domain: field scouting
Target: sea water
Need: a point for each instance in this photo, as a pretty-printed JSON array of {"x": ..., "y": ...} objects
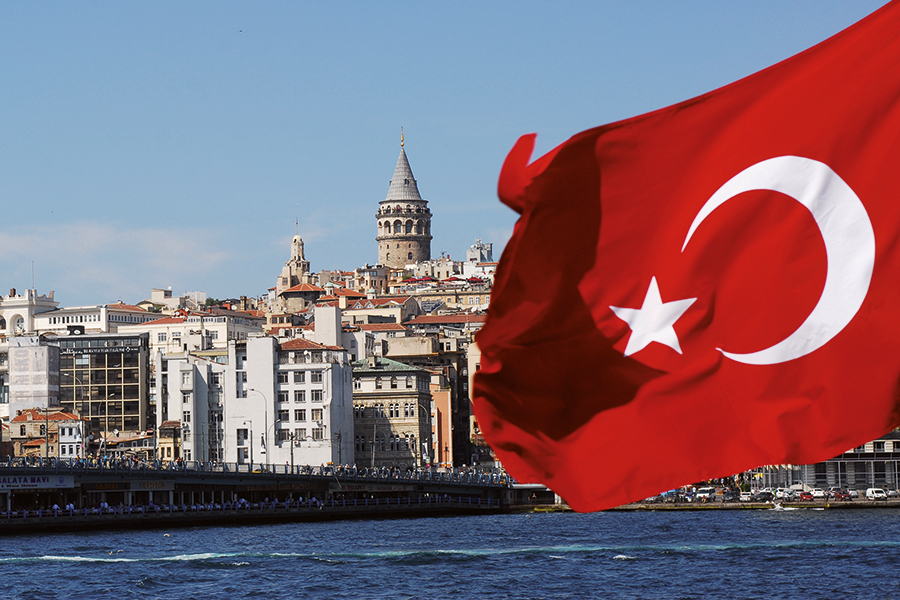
[{"x": 667, "y": 554}]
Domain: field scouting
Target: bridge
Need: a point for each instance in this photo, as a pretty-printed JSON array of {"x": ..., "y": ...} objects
[{"x": 65, "y": 495}]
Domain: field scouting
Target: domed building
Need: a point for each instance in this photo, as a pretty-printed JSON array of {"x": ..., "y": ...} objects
[{"x": 404, "y": 221}]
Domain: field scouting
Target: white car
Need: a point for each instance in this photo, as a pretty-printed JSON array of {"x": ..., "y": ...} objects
[
  {"x": 818, "y": 494},
  {"x": 875, "y": 494},
  {"x": 745, "y": 497}
]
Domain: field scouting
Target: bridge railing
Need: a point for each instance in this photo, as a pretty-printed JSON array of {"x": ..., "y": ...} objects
[
  {"x": 304, "y": 505},
  {"x": 187, "y": 467}
]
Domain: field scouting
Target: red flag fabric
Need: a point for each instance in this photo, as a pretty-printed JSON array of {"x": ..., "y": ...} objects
[{"x": 706, "y": 288}]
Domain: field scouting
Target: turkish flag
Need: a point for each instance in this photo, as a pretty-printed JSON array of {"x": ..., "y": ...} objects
[{"x": 706, "y": 288}]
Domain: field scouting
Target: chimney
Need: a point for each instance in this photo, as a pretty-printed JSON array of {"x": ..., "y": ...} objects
[{"x": 342, "y": 302}]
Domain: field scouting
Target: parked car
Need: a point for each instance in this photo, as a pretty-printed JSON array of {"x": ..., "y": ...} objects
[
  {"x": 854, "y": 493},
  {"x": 706, "y": 494},
  {"x": 731, "y": 496},
  {"x": 763, "y": 497},
  {"x": 818, "y": 494},
  {"x": 746, "y": 497},
  {"x": 875, "y": 494},
  {"x": 804, "y": 496},
  {"x": 840, "y": 495}
]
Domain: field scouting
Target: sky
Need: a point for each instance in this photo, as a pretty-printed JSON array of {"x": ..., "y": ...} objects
[{"x": 183, "y": 144}]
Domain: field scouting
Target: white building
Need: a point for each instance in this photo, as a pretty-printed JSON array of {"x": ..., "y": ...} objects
[
  {"x": 291, "y": 402},
  {"x": 197, "y": 331},
  {"x": 99, "y": 318},
  {"x": 190, "y": 390}
]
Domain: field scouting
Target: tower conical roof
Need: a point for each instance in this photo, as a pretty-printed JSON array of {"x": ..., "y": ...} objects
[{"x": 403, "y": 184}]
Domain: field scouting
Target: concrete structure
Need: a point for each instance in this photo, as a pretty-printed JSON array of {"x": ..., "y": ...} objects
[
  {"x": 17, "y": 312},
  {"x": 403, "y": 219},
  {"x": 392, "y": 414},
  {"x": 33, "y": 374}
]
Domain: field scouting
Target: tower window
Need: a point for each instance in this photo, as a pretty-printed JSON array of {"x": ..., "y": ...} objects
[{"x": 409, "y": 256}]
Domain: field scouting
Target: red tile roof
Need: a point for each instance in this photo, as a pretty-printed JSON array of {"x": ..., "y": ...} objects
[
  {"x": 304, "y": 287},
  {"x": 167, "y": 321},
  {"x": 121, "y": 305},
  {"x": 37, "y": 415},
  {"x": 455, "y": 319},
  {"x": 381, "y": 327},
  {"x": 302, "y": 344}
]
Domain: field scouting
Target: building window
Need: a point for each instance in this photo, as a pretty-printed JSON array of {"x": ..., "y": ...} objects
[
  {"x": 409, "y": 382},
  {"x": 241, "y": 435},
  {"x": 300, "y": 434},
  {"x": 283, "y": 435},
  {"x": 161, "y": 337},
  {"x": 186, "y": 416},
  {"x": 393, "y": 383},
  {"x": 299, "y": 414},
  {"x": 299, "y": 396},
  {"x": 878, "y": 446},
  {"x": 317, "y": 395},
  {"x": 315, "y": 376},
  {"x": 357, "y": 384},
  {"x": 299, "y": 376},
  {"x": 284, "y": 415},
  {"x": 186, "y": 398},
  {"x": 186, "y": 378},
  {"x": 316, "y": 414},
  {"x": 318, "y": 433},
  {"x": 282, "y": 396},
  {"x": 378, "y": 383},
  {"x": 282, "y": 378}
]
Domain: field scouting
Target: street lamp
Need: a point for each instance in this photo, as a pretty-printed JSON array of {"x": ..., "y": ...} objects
[
  {"x": 266, "y": 434},
  {"x": 251, "y": 440},
  {"x": 424, "y": 457}
]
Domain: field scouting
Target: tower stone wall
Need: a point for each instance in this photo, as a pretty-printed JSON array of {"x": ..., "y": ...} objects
[{"x": 403, "y": 220}]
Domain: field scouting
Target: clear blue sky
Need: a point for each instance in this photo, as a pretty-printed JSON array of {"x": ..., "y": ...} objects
[{"x": 162, "y": 144}]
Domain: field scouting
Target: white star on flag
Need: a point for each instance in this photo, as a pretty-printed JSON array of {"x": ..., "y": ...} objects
[{"x": 653, "y": 321}]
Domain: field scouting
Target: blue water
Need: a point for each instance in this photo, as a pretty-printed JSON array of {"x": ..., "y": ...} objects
[{"x": 708, "y": 554}]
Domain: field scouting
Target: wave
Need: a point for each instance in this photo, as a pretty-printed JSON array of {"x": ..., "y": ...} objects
[{"x": 614, "y": 552}]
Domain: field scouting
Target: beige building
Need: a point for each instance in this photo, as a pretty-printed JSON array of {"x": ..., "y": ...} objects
[{"x": 392, "y": 412}]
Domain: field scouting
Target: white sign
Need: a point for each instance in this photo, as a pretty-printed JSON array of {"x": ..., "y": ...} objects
[{"x": 34, "y": 482}]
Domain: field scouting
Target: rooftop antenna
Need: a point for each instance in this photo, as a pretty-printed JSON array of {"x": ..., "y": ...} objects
[
  {"x": 32, "y": 274},
  {"x": 401, "y": 136},
  {"x": 298, "y": 225}
]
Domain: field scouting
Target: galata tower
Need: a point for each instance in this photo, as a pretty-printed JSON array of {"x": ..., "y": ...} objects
[{"x": 404, "y": 221}]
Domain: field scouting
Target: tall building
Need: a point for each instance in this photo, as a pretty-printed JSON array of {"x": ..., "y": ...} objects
[
  {"x": 403, "y": 218},
  {"x": 105, "y": 378}
]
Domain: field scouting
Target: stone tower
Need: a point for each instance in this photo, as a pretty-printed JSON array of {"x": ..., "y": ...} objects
[{"x": 404, "y": 221}]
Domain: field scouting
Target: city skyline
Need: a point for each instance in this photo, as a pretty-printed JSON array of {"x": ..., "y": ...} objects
[{"x": 173, "y": 145}]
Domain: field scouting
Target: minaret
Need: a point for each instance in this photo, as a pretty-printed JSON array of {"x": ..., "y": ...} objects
[{"x": 404, "y": 221}]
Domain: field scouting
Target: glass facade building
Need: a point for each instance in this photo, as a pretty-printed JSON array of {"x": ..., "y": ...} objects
[{"x": 105, "y": 377}]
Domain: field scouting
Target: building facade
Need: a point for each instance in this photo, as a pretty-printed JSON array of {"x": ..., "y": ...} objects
[{"x": 392, "y": 414}]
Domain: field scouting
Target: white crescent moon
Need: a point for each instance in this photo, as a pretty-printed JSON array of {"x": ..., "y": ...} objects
[{"x": 849, "y": 246}]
